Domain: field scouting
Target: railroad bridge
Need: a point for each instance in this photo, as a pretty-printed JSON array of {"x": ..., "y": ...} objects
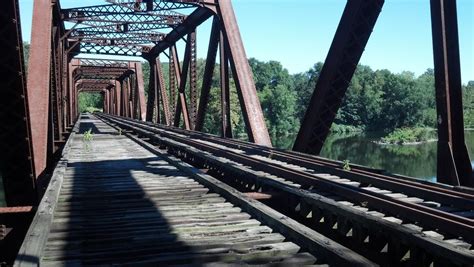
[{"x": 141, "y": 184}]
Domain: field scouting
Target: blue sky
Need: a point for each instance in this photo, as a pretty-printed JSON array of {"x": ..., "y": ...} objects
[{"x": 299, "y": 35}]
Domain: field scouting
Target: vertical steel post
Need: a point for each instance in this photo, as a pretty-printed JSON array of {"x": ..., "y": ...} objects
[
  {"x": 38, "y": 82},
  {"x": 251, "y": 109},
  {"x": 124, "y": 88},
  {"x": 181, "y": 105},
  {"x": 56, "y": 90},
  {"x": 105, "y": 98},
  {"x": 152, "y": 93},
  {"x": 174, "y": 75},
  {"x": 352, "y": 35},
  {"x": 70, "y": 85},
  {"x": 454, "y": 165},
  {"x": 208, "y": 74},
  {"x": 192, "y": 79},
  {"x": 140, "y": 92},
  {"x": 226, "y": 129},
  {"x": 118, "y": 98},
  {"x": 73, "y": 65},
  {"x": 112, "y": 99},
  {"x": 128, "y": 102},
  {"x": 164, "y": 95},
  {"x": 16, "y": 162}
]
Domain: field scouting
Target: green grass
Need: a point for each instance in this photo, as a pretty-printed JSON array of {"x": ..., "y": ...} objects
[
  {"x": 88, "y": 135},
  {"x": 346, "y": 165}
]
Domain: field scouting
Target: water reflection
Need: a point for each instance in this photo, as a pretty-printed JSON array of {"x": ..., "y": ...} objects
[{"x": 413, "y": 160}]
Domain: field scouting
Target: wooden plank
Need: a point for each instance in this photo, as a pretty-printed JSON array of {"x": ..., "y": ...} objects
[
  {"x": 114, "y": 212},
  {"x": 271, "y": 252},
  {"x": 35, "y": 239},
  {"x": 302, "y": 235},
  {"x": 461, "y": 256}
]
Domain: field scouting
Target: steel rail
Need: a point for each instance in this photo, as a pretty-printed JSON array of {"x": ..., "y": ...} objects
[
  {"x": 429, "y": 217},
  {"x": 433, "y": 192}
]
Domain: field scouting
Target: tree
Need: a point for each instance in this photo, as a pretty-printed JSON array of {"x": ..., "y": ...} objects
[
  {"x": 277, "y": 96},
  {"x": 279, "y": 110},
  {"x": 303, "y": 85},
  {"x": 90, "y": 102},
  {"x": 26, "y": 55}
]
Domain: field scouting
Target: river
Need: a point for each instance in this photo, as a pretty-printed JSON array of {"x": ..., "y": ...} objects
[{"x": 413, "y": 160}]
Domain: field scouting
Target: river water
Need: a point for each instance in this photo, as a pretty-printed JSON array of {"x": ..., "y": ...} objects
[{"x": 412, "y": 160}]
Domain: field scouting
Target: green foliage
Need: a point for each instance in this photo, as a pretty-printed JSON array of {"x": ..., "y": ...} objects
[
  {"x": 346, "y": 165},
  {"x": 88, "y": 135},
  {"x": 468, "y": 105},
  {"x": 26, "y": 53},
  {"x": 304, "y": 84},
  {"x": 408, "y": 135},
  {"x": 339, "y": 128},
  {"x": 376, "y": 100},
  {"x": 278, "y": 98},
  {"x": 90, "y": 102}
]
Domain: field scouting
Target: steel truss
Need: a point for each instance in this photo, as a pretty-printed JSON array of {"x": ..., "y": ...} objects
[
  {"x": 357, "y": 22},
  {"x": 43, "y": 110}
]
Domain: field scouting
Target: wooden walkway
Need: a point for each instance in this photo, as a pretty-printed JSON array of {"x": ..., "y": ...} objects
[{"x": 117, "y": 203}]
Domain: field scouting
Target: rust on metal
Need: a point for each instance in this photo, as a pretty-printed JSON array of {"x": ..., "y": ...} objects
[
  {"x": 16, "y": 159},
  {"x": 38, "y": 82},
  {"x": 454, "y": 166},
  {"x": 352, "y": 35}
]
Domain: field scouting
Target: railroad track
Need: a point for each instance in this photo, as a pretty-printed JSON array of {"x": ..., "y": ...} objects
[
  {"x": 384, "y": 218},
  {"x": 112, "y": 202}
]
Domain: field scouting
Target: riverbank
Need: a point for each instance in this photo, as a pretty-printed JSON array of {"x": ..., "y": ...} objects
[
  {"x": 406, "y": 143},
  {"x": 399, "y": 136}
]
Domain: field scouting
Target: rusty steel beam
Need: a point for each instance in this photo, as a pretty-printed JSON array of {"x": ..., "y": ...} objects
[
  {"x": 164, "y": 95},
  {"x": 174, "y": 78},
  {"x": 252, "y": 111},
  {"x": 353, "y": 32},
  {"x": 181, "y": 105},
  {"x": 226, "y": 126},
  {"x": 196, "y": 18},
  {"x": 126, "y": 98},
  {"x": 208, "y": 74},
  {"x": 152, "y": 93},
  {"x": 16, "y": 159},
  {"x": 140, "y": 91},
  {"x": 96, "y": 63},
  {"x": 56, "y": 88},
  {"x": 151, "y": 6},
  {"x": 38, "y": 82},
  {"x": 118, "y": 98},
  {"x": 193, "y": 95},
  {"x": 454, "y": 165},
  {"x": 71, "y": 69}
]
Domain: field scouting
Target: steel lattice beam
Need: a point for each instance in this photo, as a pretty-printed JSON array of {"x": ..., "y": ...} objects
[
  {"x": 118, "y": 30},
  {"x": 16, "y": 159},
  {"x": 155, "y": 5}
]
